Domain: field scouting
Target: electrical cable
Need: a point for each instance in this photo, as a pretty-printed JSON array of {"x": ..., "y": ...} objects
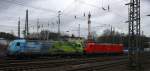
[
  {"x": 38, "y": 8},
  {"x": 99, "y": 8}
]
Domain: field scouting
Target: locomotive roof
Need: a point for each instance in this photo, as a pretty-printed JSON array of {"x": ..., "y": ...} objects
[{"x": 20, "y": 40}]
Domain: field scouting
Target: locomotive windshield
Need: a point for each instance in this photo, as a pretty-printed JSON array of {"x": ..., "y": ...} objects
[{"x": 18, "y": 44}]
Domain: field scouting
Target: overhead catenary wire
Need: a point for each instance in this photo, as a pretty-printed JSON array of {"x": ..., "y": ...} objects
[
  {"x": 103, "y": 8},
  {"x": 82, "y": 2},
  {"x": 63, "y": 12},
  {"x": 53, "y": 11},
  {"x": 108, "y": 8},
  {"x": 95, "y": 6},
  {"x": 48, "y": 9},
  {"x": 68, "y": 7},
  {"x": 37, "y": 8}
]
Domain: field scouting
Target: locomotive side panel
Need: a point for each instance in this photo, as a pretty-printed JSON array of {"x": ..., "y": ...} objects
[{"x": 93, "y": 48}]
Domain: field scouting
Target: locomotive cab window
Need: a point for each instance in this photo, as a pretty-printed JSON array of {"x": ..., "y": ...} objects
[
  {"x": 78, "y": 45},
  {"x": 18, "y": 44}
]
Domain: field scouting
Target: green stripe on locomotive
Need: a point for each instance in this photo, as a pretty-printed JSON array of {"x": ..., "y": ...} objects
[{"x": 66, "y": 47}]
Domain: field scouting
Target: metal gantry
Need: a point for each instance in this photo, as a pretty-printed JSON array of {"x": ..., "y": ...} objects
[{"x": 134, "y": 33}]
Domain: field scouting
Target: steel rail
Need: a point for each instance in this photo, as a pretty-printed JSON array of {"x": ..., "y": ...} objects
[{"x": 52, "y": 63}]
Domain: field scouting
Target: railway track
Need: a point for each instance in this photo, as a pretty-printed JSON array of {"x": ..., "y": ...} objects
[
  {"x": 19, "y": 66},
  {"x": 47, "y": 58},
  {"x": 96, "y": 66}
]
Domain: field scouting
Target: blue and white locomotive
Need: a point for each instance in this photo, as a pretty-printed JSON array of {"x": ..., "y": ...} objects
[{"x": 25, "y": 47}]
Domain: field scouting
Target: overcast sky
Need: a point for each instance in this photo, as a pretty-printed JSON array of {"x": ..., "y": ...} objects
[{"x": 46, "y": 11}]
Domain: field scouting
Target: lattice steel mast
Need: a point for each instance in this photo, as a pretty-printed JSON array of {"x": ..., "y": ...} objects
[{"x": 134, "y": 33}]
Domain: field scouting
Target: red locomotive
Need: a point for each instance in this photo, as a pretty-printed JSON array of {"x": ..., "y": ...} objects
[{"x": 103, "y": 48}]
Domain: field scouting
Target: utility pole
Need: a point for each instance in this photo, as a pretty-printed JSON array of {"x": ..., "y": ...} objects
[
  {"x": 25, "y": 31},
  {"x": 112, "y": 35},
  {"x": 38, "y": 28},
  {"x": 111, "y": 30},
  {"x": 48, "y": 32},
  {"x": 89, "y": 27},
  {"x": 78, "y": 27},
  {"x": 134, "y": 34},
  {"x": 38, "y": 25},
  {"x": 59, "y": 22},
  {"x": 19, "y": 28},
  {"x": 26, "y": 24},
  {"x": 79, "y": 30}
]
